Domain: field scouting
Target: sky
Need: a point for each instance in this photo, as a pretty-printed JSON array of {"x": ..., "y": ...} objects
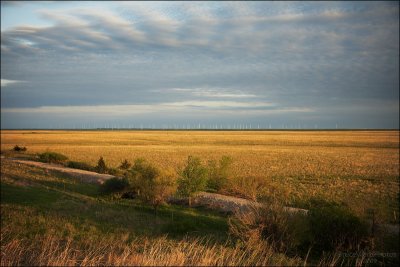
[{"x": 214, "y": 64}]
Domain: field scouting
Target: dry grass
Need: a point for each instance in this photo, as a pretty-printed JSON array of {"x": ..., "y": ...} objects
[
  {"x": 50, "y": 250},
  {"x": 360, "y": 168}
]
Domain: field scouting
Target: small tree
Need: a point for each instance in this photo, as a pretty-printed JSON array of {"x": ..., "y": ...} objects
[
  {"x": 125, "y": 165},
  {"x": 153, "y": 185},
  {"x": 101, "y": 166},
  {"x": 157, "y": 190},
  {"x": 193, "y": 178},
  {"x": 134, "y": 175}
]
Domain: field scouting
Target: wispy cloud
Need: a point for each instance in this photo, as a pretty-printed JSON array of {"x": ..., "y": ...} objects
[
  {"x": 214, "y": 106},
  {"x": 213, "y": 92},
  {"x": 144, "y": 23},
  {"x": 5, "y": 82}
]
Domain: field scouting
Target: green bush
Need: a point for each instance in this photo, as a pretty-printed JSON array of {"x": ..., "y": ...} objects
[
  {"x": 152, "y": 185},
  {"x": 19, "y": 148},
  {"x": 193, "y": 178},
  {"x": 333, "y": 226},
  {"x": 79, "y": 165},
  {"x": 52, "y": 157},
  {"x": 101, "y": 166},
  {"x": 218, "y": 174},
  {"x": 114, "y": 185}
]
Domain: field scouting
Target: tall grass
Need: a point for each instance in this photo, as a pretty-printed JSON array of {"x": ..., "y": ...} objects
[{"x": 50, "y": 250}]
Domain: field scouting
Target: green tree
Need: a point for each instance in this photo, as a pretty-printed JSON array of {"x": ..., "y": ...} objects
[
  {"x": 153, "y": 186},
  {"x": 193, "y": 178},
  {"x": 101, "y": 166}
]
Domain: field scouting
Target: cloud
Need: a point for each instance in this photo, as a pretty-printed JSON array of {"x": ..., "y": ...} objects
[
  {"x": 89, "y": 29},
  {"x": 214, "y": 106},
  {"x": 247, "y": 58},
  {"x": 213, "y": 92},
  {"x": 5, "y": 82}
]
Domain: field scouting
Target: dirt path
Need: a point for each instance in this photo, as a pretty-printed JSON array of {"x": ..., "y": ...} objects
[
  {"x": 232, "y": 204},
  {"x": 85, "y": 176}
]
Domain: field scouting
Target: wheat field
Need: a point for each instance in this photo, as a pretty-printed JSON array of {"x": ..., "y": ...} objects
[{"x": 359, "y": 168}]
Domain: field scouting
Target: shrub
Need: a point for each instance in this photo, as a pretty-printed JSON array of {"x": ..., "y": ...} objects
[
  {"x": 125, "y": 165},
  {"x": 218, "y": 174},
  {"x": 153, "y": 186},
  {"x": 19, "y": 148},
  {"x": 114, "y": 185},
  {"x": 101, "y": 166},
  {"x": 79, "y": 165},
  {"x": 193, "y": 178},
  {"x": 129, "y": 195},
  {"x": 334, "y": 226},
  {"x": 52, "y": 157},
  {"x": 269, "y": 224},
  {"x": 114, "y": 171}
]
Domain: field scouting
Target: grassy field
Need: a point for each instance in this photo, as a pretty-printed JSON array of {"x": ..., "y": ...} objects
[
  {"x": 49, "y": 218},
  {"x": 359, "y": 168}
]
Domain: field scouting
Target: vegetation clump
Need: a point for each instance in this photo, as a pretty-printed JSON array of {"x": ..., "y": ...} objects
[
  {"x": 269, "y": 224},
  {"x": 79, "y": 165},
  {"x": 114, "y": 185},
  {"x": 115, "y": 172},
  {"x": 52, "y": 157},
  {"x": 19, "y": 148},
  {"x": 153, "y": 186},
  {"x": 218, "y": 175},
  {"x": 125, "y": 165},
  {"x": 101, "y": 166},
  {"x": 327, "y": 227},
  {"x": 333, "y": 226},
  {"x": 193, "y": 178}
]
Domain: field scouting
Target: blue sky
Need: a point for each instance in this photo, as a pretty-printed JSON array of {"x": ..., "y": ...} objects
[{"x": 165, "y": 64}]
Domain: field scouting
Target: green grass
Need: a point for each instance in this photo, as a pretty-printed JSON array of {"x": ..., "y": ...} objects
[
  {"x": 80, "y": 206},
  {"x": 27, "y": 196}
]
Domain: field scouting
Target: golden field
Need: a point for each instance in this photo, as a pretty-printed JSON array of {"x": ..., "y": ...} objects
[{"x": 359, "y": 168}]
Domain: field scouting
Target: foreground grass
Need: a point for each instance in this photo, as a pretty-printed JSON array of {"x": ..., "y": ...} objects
[
  {"x": 50, "y": 219},
  {"x": 53, "y": 251}
]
